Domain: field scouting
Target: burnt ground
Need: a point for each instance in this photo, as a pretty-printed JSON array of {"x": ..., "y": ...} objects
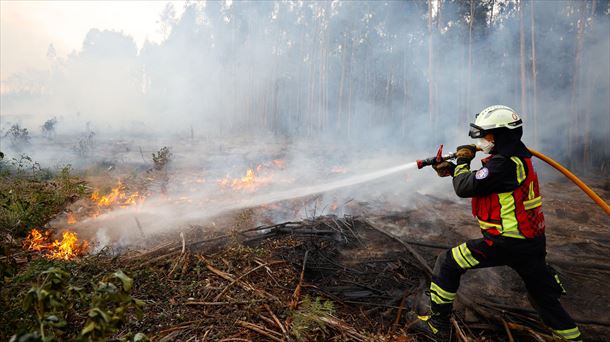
[{"x": 350, "y": 278}]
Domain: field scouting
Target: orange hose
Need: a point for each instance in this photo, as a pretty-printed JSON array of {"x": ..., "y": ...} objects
[{"x": 595, "y": 197}]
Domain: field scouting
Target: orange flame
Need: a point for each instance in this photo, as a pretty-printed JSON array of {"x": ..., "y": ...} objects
[
  {"x": 71, "y": 218},
  {"x": 117, "y": 196},
  {"x": 333, "y": 207},
  {"x": 35, "y": 241},
  {"x": 249, "y": 182},
  {"x": 68, "y": 248}
]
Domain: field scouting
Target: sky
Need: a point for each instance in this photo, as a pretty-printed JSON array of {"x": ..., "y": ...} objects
[{"x": 28, "y": 27}]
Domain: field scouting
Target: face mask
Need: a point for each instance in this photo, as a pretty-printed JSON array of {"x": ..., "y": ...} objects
[{"x": 485, "y": 145}]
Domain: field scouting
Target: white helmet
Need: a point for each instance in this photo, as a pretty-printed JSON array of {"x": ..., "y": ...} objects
[{"x": 494, "y": 117}]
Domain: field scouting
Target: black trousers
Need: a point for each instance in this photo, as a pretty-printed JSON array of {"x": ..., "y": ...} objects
[{"x": 525, "y": 256}]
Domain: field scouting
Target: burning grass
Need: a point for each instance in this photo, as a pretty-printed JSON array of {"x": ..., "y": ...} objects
[
  {"x": 118, "y": 196},
  {"x": 250, "y": 182},
  {"x": 69, "y": 247}
]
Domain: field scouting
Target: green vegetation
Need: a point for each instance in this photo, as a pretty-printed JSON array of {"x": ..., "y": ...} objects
[
  {"x": 310, "y": 316},
  {"x": 54, "y": 308},
  {"x": 30, "y": 195}
]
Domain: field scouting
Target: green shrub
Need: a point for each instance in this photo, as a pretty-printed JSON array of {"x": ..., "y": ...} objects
[
  {"x": 309, "y": 317},
  {"x": 53, "y": 301},
  {"x": 30, "y": 195}
]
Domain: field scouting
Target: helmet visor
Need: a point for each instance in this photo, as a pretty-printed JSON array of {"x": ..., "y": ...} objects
[{"x": 476, "y": 131}]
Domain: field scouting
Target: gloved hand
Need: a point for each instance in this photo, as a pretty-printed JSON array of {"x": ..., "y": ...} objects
[
  {"x": 444, "y": 169},
  {"x": 465, "y": 153}
]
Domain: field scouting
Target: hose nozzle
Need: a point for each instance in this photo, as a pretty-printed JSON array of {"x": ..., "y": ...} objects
[{"x": 439, "y": 158}]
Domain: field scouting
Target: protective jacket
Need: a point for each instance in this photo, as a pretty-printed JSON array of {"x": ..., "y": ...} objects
[{"x": 505, "y": 196}]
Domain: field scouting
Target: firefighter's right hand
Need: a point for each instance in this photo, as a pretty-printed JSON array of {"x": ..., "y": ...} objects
[{"x": 444, "y": 169}]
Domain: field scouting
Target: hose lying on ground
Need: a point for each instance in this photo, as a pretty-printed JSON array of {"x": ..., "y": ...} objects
[{"x": 595, "y": 197}]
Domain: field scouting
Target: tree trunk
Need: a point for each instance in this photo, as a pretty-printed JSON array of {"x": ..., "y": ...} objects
[
  {"x": 534, "y": 116},
  {"x": 523, "y": 110},
  {"x": 431, "y": 100},
  {"x": 591, "y": 76},
  {"x": 469, "y": 76},
  {"x": 405, "y": 102},
  {"x": 576, "y": 127},
  {"x": 342, "y": 83}
]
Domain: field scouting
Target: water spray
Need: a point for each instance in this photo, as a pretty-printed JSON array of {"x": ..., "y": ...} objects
[{"x": 439, "y": 158}]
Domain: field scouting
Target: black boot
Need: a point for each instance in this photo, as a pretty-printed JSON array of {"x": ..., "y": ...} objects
[{"x": 435, "y": 326}]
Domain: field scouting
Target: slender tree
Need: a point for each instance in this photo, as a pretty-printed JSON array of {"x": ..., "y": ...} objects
[{"x": 534, "y": 109}]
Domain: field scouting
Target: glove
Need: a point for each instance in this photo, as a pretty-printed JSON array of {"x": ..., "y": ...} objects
[
  {"x": 465, "y": 153},
  {"x": 444, "y": 169}
]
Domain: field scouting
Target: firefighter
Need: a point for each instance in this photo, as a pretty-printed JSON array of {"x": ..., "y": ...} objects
[{"x": 507, "y": 203}]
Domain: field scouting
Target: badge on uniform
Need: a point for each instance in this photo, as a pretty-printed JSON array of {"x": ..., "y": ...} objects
[{"x": 482, "y": 173}]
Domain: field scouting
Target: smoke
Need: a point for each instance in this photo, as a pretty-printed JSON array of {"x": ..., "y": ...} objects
[{"x": 319, "y": 84}]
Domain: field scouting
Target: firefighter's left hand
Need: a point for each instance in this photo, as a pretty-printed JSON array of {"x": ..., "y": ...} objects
[
  {"x": 465, "y": 153},
  {"x": 444, "y": 169}
]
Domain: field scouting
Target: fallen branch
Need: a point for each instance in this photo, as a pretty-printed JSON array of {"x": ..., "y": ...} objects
[
  {"x": 401, "y": 307},
  {"x": 458, "y": 331},
  {"x": 343, "y": 327},
  {"x": 242, "y": 276},
  {"x": 252, "y": 301},
  {"x": 277, "y": 321},
  {"x": 536, "y": 335},
  {"x": 261, "y": 330},
  {"x": 297, "y": 291},
  {"x": 508, "y": 333}
]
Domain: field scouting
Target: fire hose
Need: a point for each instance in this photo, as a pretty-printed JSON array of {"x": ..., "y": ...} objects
[{"x": 595, "y": 197}]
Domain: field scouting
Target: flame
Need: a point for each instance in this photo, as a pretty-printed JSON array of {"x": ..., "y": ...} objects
[
  {"x": 68, "y": 248},
  {"x": 71, "y": 218},
  {"x": 249, "y": 182},
  {"x": 333, "y": 207},
  {"x": 117, "y": 196},
  {"x": 35, "y": 241}
]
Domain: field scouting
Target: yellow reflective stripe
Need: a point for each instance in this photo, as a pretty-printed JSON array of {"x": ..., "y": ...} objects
[
  {"x": 439, "y": 300},
  {"x": 427, "y": 320},
  {"x": 560, "y": 284},
  {"x": 459, "y": 259},
  {"x": 568, "y": 334},
  {"x": 507, "y": 213},
  {"x": 531, "y": 191},
  {"x": 487, "y": 225},
  {"x": 533, "y": 203},
  {"x": 520, "y": 169},
  {"x": 466, "y": 252},
  {"x": 462, "y": 168},
  {"x": 441, "y": 292}
]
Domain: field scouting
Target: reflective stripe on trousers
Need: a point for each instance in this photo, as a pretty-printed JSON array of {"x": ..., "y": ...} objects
[
  {"x": 440, "y": 296},
  {"x": 463, "y": 257},
  {"x": 568, "y": 334}
]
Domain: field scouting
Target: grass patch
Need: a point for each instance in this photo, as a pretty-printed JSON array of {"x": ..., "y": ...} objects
[{"x": 30, "y": 196}]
